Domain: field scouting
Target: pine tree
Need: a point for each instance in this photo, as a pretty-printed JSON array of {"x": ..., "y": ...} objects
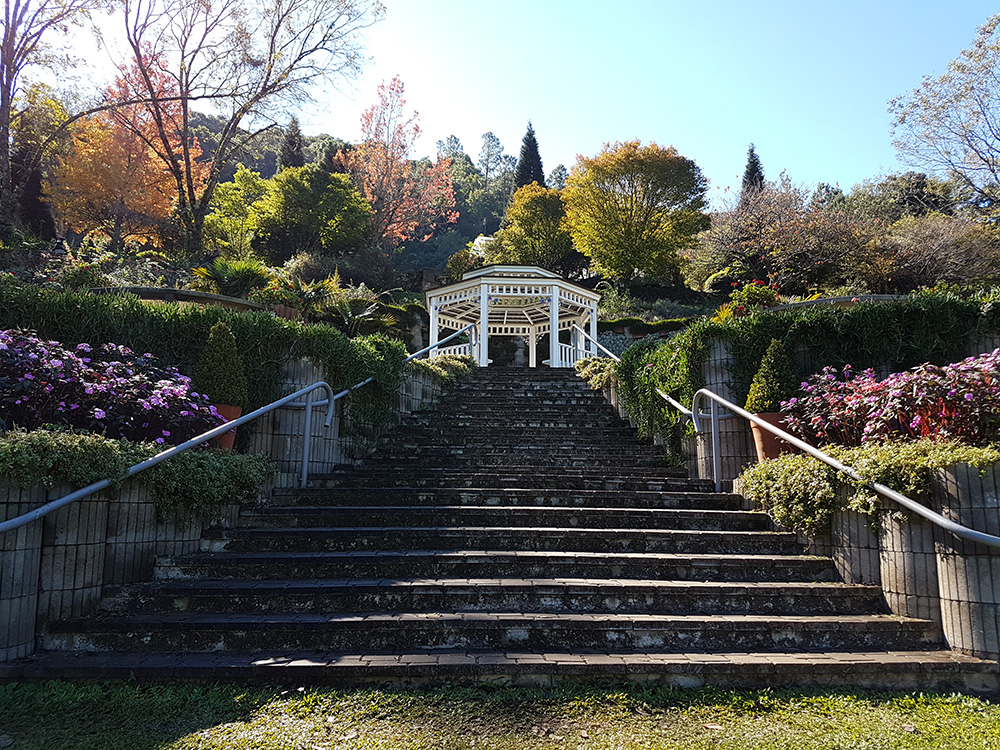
[
  {"x": 753, "y": 175},
  {"x": 529, "y": 165},
  {"x": 292, "y": 152}
]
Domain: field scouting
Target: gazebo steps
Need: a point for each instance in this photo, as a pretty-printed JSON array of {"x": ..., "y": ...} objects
[
  {"x": 388, "y": 632},
  {"x": 500, "y": 537},
  {"x": 611, "y": 598}
]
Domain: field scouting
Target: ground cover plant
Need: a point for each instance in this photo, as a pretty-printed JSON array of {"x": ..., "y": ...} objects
[{"x": 133, "y": 717}]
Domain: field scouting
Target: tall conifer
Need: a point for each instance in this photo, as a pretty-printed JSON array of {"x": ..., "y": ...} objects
[
  {"x": 292, "y": 152},
  {"x": 753, "y": 175},
  {"x": 529, "y": 165}
]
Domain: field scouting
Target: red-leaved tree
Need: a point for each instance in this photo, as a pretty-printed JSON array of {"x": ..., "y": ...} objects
[{"x": 409, "y": 199}]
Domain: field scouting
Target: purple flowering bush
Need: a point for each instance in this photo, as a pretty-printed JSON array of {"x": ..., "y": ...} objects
[
  {"x": 960, "y": 401},
  {"x": 107, "y": 389}
]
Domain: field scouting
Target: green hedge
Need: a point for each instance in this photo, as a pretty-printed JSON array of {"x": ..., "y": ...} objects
[
  {"x": 800, "y": 492},
  {"x": 925, "y": 327},
  {"x": 176, "y": 334},
  {"x": 637, "y": 326},
  {"x": 196, "y": 481}
]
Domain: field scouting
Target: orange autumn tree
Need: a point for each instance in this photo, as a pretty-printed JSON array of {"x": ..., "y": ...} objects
[
  {"x": 409, "y": 199},
  {"x": 114, "y": 178}
]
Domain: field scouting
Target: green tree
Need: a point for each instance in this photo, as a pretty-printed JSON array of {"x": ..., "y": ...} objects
[
  {"x": 529, "y": 164},
  {"x": 753, "y": 175},
  {"x": 950, "y": 124},
  {"x": 292, "y": 152},
  {"x": 232, "y": 225},
  {"x": 557, "y": 177},
  {"x": 307, "y": 209},
  {"x": 535, "y": 234},
  {"x": 633, "y": 208}
]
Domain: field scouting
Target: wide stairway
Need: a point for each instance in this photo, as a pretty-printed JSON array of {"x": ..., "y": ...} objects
[{"x": 517, "y": 532}]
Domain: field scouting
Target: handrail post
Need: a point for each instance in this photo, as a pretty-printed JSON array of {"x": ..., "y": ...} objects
[
  {"x": 307, "y": 441},
  {"x": 716, "y": 446}
]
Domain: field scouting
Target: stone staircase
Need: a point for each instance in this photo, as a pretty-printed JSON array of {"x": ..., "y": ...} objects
[{"x": 518, "y": 532}]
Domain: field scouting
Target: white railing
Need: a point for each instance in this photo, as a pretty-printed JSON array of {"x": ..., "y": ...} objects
[{"x": 461, "y": 349}]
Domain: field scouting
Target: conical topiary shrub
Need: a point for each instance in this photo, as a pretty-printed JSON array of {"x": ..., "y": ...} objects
[
  {"x": 219, "y": 375},
  {"x": 774, "y": 382}
]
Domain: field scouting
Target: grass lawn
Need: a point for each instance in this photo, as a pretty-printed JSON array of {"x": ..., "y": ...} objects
[{"x": 123, "y": 717}]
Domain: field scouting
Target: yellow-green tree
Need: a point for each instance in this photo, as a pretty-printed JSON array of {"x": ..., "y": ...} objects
[
  {"x": 632, "y": 208},
  {"x": 534, "y": 234}
]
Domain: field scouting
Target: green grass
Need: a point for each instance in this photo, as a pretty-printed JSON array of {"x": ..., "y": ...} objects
[{"x": 123, "y": 717}]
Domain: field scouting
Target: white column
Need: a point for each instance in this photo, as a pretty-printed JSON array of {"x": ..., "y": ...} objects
[
  {"x": 592, "y": 345},
  {"x": 433, "y": 329},
  {"x": 554, "y": 327},
  {"x": 484, "y": 325},
  {"x": 532, "y": 349}
]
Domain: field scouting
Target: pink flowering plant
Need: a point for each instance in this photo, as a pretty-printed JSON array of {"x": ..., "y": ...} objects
[
  {"x": 107, "y": 389},
  {"x": 960, "y": 401}
]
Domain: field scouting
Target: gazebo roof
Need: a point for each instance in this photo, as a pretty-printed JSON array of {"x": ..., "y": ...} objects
[{"x": 519, "y": 299}]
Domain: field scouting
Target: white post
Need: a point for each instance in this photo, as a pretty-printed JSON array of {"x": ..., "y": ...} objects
[
  {"x": 592, "y": 345},
  {"x": 574, "y": 340},
  {"x": 433, "y": 329},
  {"x": 484, "y": 323},
  {"x": 554, "y": 327},
  {"x": 532, "y": 349}
]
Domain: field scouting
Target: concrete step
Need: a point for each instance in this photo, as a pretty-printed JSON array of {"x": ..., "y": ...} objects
[
  {"x": 493, "y": 496},
  {"x": 460, "y": 516},
  {"x": 384, "y": 632},
  {"x": 904, "y": 670},
  {"x": 387, "y": 564},
  {"x": 651, "y": 478},
  {"x": 503, "y": 538},
  {"x": 536, "y": 595}
]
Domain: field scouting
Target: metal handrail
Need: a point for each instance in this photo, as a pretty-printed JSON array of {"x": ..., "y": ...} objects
[
  {"x": 912, "y": 505},
  {"x": 330, "y": 402}
]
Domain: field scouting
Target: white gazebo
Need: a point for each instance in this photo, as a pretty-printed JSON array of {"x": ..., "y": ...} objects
[{"x": 523, "y": 301}]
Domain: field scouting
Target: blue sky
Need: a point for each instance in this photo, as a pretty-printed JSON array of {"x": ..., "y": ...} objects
[{"x": 807, "y": 82}]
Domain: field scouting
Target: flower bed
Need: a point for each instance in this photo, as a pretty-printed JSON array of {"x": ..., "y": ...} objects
[
  {"x": 107, "y": 389},
  {"x": 958, "y": 401}
]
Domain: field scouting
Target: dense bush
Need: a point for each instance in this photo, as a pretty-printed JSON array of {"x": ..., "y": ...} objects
[
  {"x": 800, "y": 492},
  {"x": 107, "y": 389},
  {"x": 597, "y": 371},
  {"x": 957, "y": 401},
  {"x": 197, "y": 481},
  {"x": 445, "y": 368}
]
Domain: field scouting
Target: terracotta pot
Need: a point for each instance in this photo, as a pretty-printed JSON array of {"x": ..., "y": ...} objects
[
  {"x": 229, "y": 413},
  {"x": 768, "y": 445},
  {"x": 285, "y": 311}
]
